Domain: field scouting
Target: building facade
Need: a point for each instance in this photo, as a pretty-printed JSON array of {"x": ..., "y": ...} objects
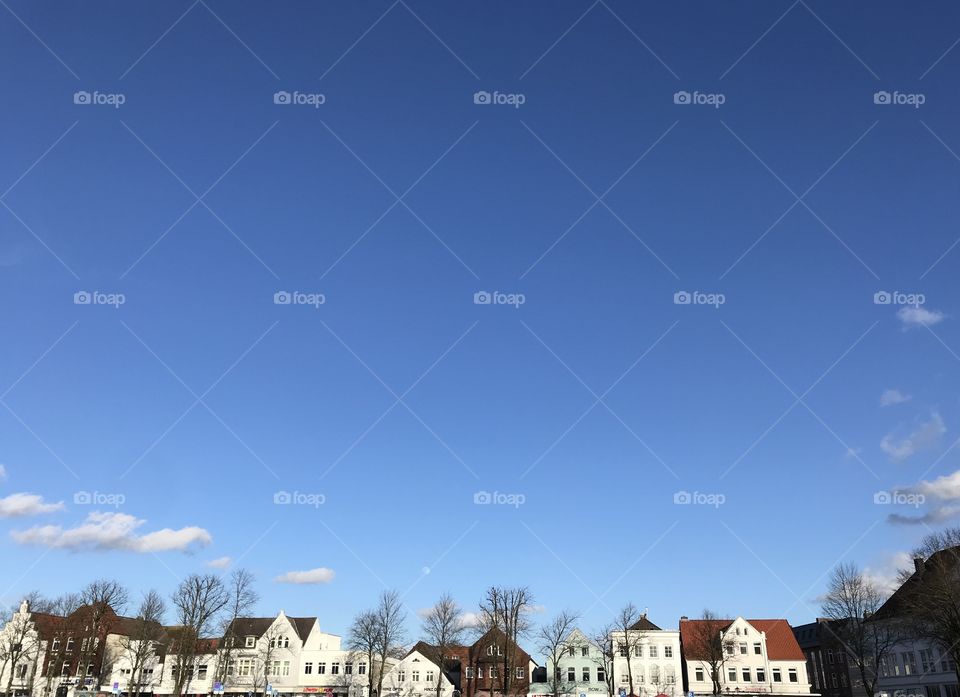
[{"x": 831, "y": 673}]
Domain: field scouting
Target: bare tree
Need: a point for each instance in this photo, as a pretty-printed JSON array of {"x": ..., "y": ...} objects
[
  {"x": 363, "y": 640},
  {"x": 139, "y": 646},
  {"x": 443, "y": 628},
  {"x": 507, "y": 610},
  {"x": 628, "y": 639},
  {"x": 390, "y": 619},
  {"x": 198, "y": 601},
  {"x": 705, "y": 640},
  {"x": 602, "y": 639},
  {"x": 100, "y": 603},
  {"x": 850, "y": 600},
  {"x": 267, "y": 651},
  {"x": 553, "y": 640},
  {"x": 19, "y": 639},
  {"x": 243, "y": 597},
  {"x": 932, "y": 606}
]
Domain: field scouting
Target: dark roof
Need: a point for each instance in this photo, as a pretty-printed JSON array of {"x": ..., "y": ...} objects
[
  {"x": 46, "y": 624},
  {"x": 898, "y": 603},
  {"x": 303, "y": 625},
  {"x": 781, "y": 644},
  {"x": 644, "y": 625},
  {"x": 256, "y": 626}
]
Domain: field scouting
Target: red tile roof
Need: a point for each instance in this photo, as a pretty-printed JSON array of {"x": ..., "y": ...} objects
[{"x": 781, "y": 643}]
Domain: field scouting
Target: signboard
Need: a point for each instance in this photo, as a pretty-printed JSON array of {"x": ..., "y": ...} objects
[
  {"x": 218, "y": 688},
  {"x": 623, "y": 692},
  {"x": 116, "y": 688}
]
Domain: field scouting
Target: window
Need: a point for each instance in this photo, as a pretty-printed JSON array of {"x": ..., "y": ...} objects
[
  {"x": 761, "y": 674},
  {"x": 250, "y": 641},
  {"x": 792, "y": 675},
  {"x": 671, "y": 676},
  {"x": 731, "y": 674},
  {"x": 757, "y": 648},
  {"x": 585, "y": 674},
  {"x": 570, "y": 651},
  {"x": 776, "y": 675},
  {"x": 622, "y": 649},
  {"x": 415, "y": 674},
  {"x": 55, "y": 644},
  {"x": 624, "y": 678},
  {"x": 927, "y": 662},
  {"x": 469, "y": 672},
  {"x": 401, "y": 675},
  {"x": 21, "y": 671},
  {"x": 429, "y": 676},
  {"x": 699, "y": 675},
  {"x": 668, "y": 652},
  {"x": 479, "y": 673},
  {"x": 601, "y": 675},
  {"x": 584, "y": 651},
  {"x": 89, "y": 669},
  {"x": 334, "y": 669},
  {"x": 348, "y": 668},
  {"x": 246, "y": 666},
  {"x": 743, "y": 648},
  {"x": 286, "y": 642},
  {"x": 322, "y": 668},
  {"x": 308, "y": 668},
  {"x": 65, "y": 669},
  {"x": 829, "y": 655},
  {"x": 231, "y": 667},
  {"x": 362, "y": 669},
  {"x": 286, "y": 668},
  {"x": 747, "y": 677},
  {"x": 202, "y": 672},
  {"x": 69, "y": 644},
  {"x": 909, "y": 662},
  {"x": 729, "y": 647},
  {"x": 653, "y": 651},
  {"x": 492, "y": 671}
]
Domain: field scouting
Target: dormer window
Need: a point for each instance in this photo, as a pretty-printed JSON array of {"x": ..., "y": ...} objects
[{"x": 250, "y": 642}]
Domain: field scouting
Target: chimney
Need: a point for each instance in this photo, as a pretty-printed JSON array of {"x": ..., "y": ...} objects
[
  {"x": 918, "y": 564},
  {"x": 684, "y": 618}
]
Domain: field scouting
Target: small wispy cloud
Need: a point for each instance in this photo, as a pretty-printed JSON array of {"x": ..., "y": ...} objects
[
  {"x": 942, "y": 496},
  {"x": 924, "y": 436},
  {"x": 885, "y": 573},
  {"x": 3, "y": 473},
  {"x": 311, "y": 577},
  {"x": 23, "y": 505},
  {"x": 891, "y": 397},
  {"x": 220, "y": 563},
  {"x": 916, "y": 316},
  {"x": 112, "y": 531}
]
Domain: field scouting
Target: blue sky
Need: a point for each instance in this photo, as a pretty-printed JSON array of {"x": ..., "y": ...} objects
[{"x": 589, "y": 394}]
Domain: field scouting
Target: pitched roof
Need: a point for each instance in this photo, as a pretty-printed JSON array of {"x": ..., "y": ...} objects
[
  {"x": 303, "y": 626},
  {"x": 644, "y": 625},
  {"x": 898, "y": 603},
  {"x": 781, "y": 643}
]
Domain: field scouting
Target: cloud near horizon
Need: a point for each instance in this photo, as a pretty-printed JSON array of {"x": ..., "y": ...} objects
[
  {"x": 310, "y": 577},
  {"x": 22, "y": 505},
  {"x": 926, "y": 435},
  {"x": 113, "y": 531}
]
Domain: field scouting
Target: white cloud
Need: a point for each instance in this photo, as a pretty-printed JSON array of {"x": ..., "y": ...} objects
[
  {"x": 884, "y": 574},
  {"x": 916, "y": 316},
  {"x": 22, "y": 505},
  {"x": 3, "y": 473},
  {"x": 926, "y": 435},
  {"x": 943, "y": 496},
  {"x": 313, "y": 576},
  {"x": 113, "y": 531},
  {"x": 891, "y": 397},
  {"x": 220, "y": 562},
  {"x": 471, "y": 619}
]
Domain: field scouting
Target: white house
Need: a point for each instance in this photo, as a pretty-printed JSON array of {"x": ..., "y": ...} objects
[
  {"x": 417, "y": 675},
  {"x": 651, "y": 656},
  {"x": 582, "y": 669},
  {"x": 751, "y": 657}
]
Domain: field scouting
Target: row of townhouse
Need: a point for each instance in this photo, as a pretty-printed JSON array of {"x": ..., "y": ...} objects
[{"x": 291, "y": 656}]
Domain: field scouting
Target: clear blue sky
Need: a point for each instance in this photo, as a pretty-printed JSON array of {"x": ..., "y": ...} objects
[{"x": 200, "y": 398}]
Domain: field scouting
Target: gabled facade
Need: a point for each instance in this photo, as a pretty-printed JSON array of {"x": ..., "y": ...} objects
[
  {"x": 755, "y": 657},
  {"x": 418, "y": 673},
  {"x": 651, "y": 656},
  {"x": 581, "y": 670}
]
